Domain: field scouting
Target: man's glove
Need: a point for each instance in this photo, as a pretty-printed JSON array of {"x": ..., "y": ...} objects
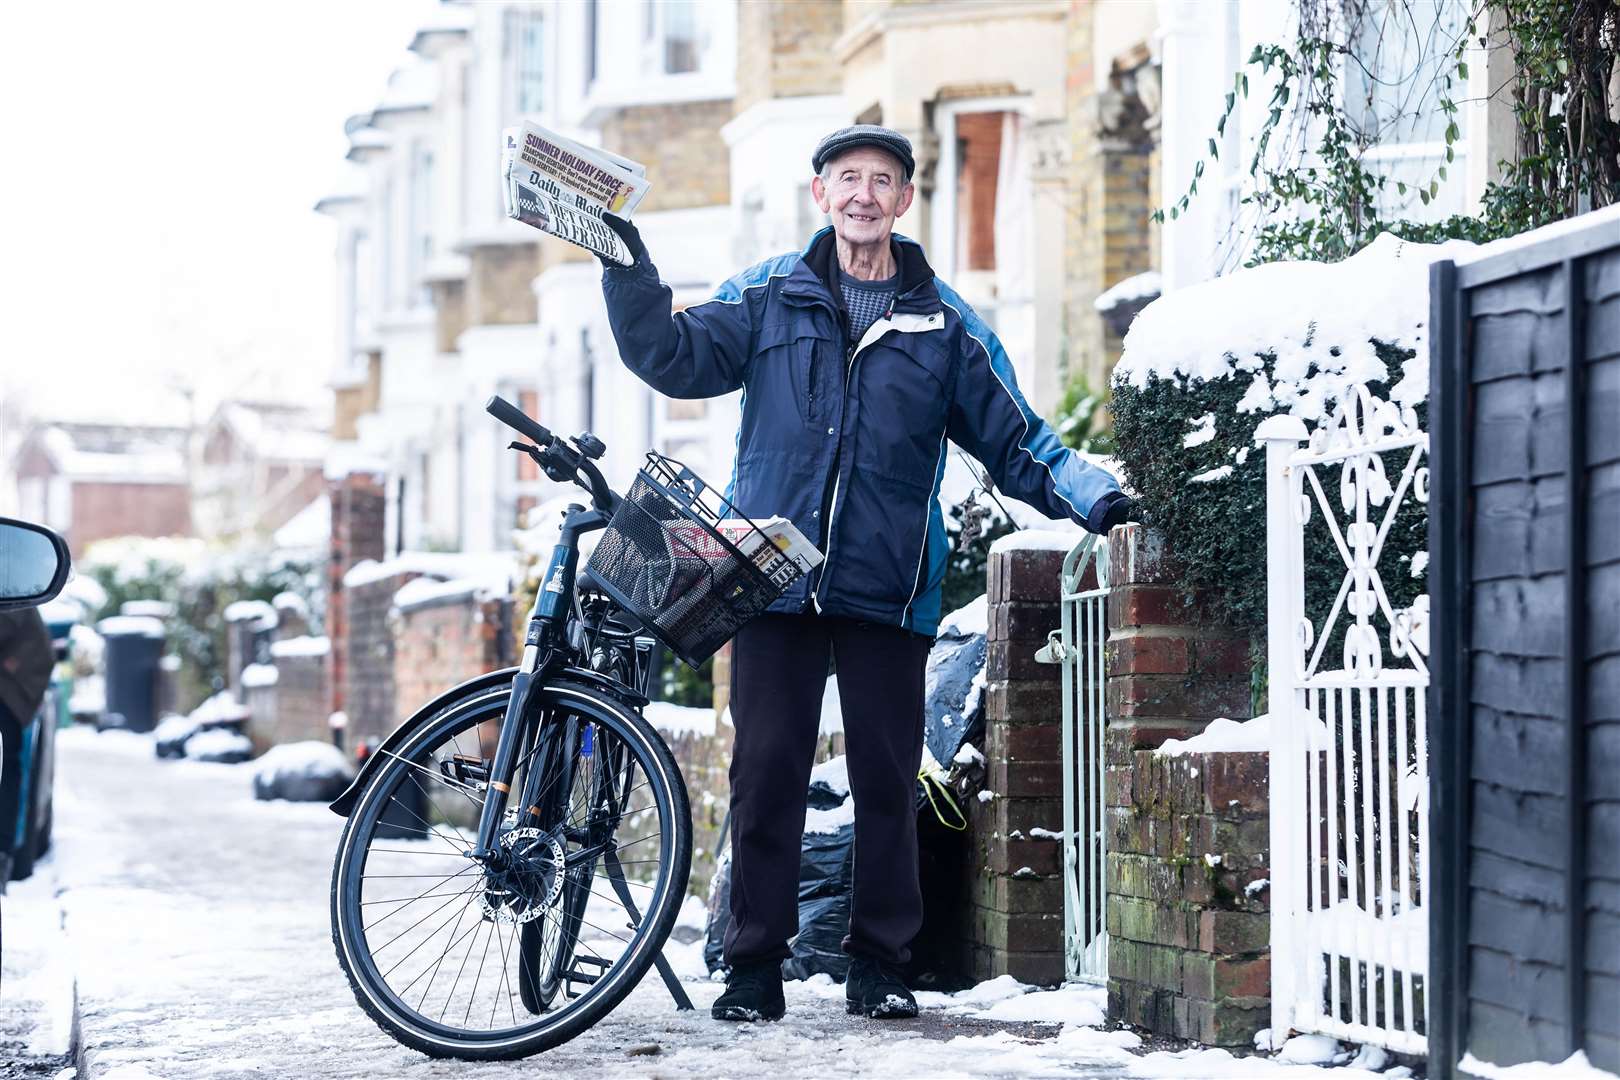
[
  {"x": 632, "y": 240},
  {"x": 1115, "y": 508}
]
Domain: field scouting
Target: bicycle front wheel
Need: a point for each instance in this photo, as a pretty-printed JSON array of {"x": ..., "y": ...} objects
[{"x": 458, "y": 959}]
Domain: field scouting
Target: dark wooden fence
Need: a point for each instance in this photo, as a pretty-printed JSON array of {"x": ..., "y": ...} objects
[{"x": 1525, "y": 701}]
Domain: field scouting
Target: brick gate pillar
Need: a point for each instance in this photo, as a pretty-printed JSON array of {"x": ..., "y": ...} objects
[
  {"x": 1187, "y": 833},
  {"x": 358, "y": 504}
]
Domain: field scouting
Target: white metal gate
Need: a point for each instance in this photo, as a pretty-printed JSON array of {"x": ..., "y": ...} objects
[
  {"x": 1084, "y": 632},
  {"x": 1349, "y": 777}
]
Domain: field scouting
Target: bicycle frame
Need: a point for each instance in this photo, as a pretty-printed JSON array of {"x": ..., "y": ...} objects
[{"x": 544, "y": 643}]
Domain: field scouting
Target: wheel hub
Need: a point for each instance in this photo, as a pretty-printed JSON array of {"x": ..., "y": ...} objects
[{"x": 528, "y": 879}]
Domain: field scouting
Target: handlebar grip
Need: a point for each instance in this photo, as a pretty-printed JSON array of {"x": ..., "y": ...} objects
[{"x": 515, "y": 418}]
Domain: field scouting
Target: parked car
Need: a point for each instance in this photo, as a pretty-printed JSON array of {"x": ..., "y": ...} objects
[{"x": 34, "y": 566}]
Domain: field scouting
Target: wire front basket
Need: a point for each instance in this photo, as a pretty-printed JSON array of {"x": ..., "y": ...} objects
[{"x": 665, "y": 558}]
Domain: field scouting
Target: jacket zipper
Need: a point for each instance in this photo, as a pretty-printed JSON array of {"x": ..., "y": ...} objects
[{"x": 838, "y": 477}]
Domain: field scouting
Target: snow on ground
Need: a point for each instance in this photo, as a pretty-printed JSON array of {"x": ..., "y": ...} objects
[
  {"x": 1575, "y": 1067},
  {"x": 674, "y": 719},
  {"x": 834, "y": 772},
  {"x": 971, "y": 618},
  {"x": 198, "y": 922}
]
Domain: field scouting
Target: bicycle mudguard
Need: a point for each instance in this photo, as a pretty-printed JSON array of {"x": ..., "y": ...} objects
[{"x": 490, "y": 681}]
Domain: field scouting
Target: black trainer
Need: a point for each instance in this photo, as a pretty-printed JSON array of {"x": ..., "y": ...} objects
[
  {"x": 875, "y": 989},
  {"x": 753, "y": 992}
]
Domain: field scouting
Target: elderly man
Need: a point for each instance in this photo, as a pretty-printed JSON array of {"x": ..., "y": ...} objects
[{"x": 856, "y": 364}]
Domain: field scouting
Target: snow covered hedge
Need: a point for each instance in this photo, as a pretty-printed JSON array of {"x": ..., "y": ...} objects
[{"x": 1204, "y": 365}]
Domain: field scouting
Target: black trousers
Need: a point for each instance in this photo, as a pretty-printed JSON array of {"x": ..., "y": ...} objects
[{"x": 778, "y": 676}]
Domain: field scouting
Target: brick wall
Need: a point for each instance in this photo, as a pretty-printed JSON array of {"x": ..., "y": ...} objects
[
  {"x": 368, "y": 688},
  {"x": 684, "y": 140},
  {"x": 358, "y": 533},
  {"x": 1188, "y": 906},
  {"x": 1171, "y": 669},
  {"x": 449, "y": 313},
  {"x": 498, "y": 289},
  {"x": 1014, "y": 922},
  {"x": 102, "y": 510},
  {"x": 298, "y": 704},
  {"x": 1112, "y": 189},
  {"x": 1187, "y": 835},
  {"x": 445, "y": 641},
  {"x": 785, "y": 50}
]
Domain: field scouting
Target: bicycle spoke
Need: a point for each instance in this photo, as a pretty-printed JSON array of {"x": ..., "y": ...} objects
[
  {"x": 461, "y": 969},
  {"x": 465, "y": 892},
  {"x": 436, "y": 964},
  {"x": 473, "y": 994},
  {"x": 506, "y": 951},
  {"x": 454, "y": 785}
]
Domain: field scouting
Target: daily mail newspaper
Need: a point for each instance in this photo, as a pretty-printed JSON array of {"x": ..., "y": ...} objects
[{"x": 563, "y": 187}]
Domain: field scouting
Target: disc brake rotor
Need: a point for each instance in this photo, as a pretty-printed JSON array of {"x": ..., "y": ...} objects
[{"x": 531, "y": 881}]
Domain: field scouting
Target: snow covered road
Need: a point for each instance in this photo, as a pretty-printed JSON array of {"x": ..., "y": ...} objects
[{"x": 198, "y": 926}]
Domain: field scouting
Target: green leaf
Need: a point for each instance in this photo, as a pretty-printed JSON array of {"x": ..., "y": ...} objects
[
  {"x": 1175, "y": 212},
  {"x": 1282, "y": 92},
  {"x": 1245, "y": 78},
  {"x": 1424, "y": 195},
  {"x": 1400, "y": 187},
  {"x": 1442, "y": 172},
  {"x": 1434, "y": 189},
  {"x": 1462, "y": 68},
  {"x": 1231, "y": 100},
  {"x": 1214, "y": 153}
]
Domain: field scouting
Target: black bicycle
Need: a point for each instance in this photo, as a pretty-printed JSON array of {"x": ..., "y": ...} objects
[{"x": 517, "y": 850}]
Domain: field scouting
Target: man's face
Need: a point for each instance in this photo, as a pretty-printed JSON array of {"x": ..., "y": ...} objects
[{"x": 865, "y": 191}]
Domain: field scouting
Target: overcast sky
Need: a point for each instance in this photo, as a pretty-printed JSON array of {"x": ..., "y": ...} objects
[{"x": 161, "y": 164}]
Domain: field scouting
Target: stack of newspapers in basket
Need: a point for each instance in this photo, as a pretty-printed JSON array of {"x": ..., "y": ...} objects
[{"x": 562, "y": 187}]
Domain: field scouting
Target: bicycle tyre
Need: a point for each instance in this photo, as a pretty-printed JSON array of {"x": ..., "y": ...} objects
[{"x": 663, "y": 778}]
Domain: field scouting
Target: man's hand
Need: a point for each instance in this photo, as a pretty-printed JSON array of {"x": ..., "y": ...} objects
[
  {"x": 1115, "y": 508},
  {"x": 632, "y": 240}
]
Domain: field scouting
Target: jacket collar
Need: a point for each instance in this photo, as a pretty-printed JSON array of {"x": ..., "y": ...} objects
[{"x": 812, "y": 279}]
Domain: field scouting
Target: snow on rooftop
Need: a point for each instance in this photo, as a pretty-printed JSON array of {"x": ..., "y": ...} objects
[
  {"x": 290, "y": 601},
  {"x": 413, "y": 85},
  {"x": 301, "y": 646},
  {"x": 311, "y": 527},
  {"x": 157, "y": 609},
  {"x": 1040, "y": 540},
  {"x": 971, "y": 618},
  {"x": 1136, "y": 287},
  {"x": 1319, "y": 319}
]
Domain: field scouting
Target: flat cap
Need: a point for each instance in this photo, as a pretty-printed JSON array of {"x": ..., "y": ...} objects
[{"x": 886, "y": 139}]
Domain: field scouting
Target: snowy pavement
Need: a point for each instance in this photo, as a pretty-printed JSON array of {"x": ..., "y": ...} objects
[{"x": 196, "y": 922}]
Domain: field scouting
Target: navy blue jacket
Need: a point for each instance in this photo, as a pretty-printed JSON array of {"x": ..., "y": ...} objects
[{"x": 849, "y": 442}]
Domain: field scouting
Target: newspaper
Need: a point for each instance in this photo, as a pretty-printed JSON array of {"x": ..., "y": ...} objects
[
  {"x": 775, "y": 547},
  {"x": 562, "y": 187}
]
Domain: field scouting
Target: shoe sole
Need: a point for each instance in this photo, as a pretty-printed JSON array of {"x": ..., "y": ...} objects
[
  {"x": 738, "y": 1014},
  {"x": 880, "y": 1012}
]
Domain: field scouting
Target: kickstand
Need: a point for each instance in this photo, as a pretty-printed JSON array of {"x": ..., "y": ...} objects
[{"x": 615, "y": 874}]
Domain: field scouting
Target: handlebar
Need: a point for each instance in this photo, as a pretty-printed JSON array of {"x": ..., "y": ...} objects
[
  {"x": 556, "y": 458},
  {"x": 515, "y": 418}
]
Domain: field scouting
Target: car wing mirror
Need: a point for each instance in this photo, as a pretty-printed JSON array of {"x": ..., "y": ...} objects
[{"x": 34, "y": 564}]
